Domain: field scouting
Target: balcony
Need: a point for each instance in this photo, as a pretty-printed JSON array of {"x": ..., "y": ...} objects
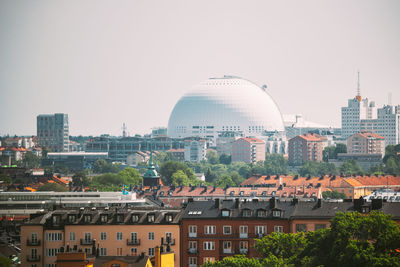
[
  {"x": 133, "y": 242},
  {"x": 193, "y": 251},
  {"x": 31, "y": 258},
  {"x": 243, "y": 251},
  {"x": 168, "y": 241},
  {"x": 243, "y": 235},
  {"x": 192, "y": 234},
  {"x": 228, "y": 251},
  {"x": 31, "y": 242},
  {"x": 85, "y": 241},
  {"x": 192, "y": 265}
]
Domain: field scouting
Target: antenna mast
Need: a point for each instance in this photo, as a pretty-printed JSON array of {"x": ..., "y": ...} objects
[
  {"x": 124, "y": 130},
  {"x": 358, "y": 97}
]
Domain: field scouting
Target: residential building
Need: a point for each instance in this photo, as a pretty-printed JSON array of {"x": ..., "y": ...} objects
[
  {"x": 24, "y": 142},
  {"x": 306, "y": 147},
  {"x": 248, "y": 150},
  {"x": 366, "y": 143},
  {"x": 212, "y": 230},
  {"x": 53, "y": 132},
  {"x": 116, "y": 232},
  {"x": 195, "y": 150},
  {"x": 224, "y": 141},
  {"x": 176, "y": 154}
]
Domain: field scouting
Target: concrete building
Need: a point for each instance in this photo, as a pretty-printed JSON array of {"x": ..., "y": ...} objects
[
  {"x": 74, "y": 160},
  {"x": 114, "y": 232},
  {"x": 53, "y": 132},
  {"x": 366, "y": 161},
  {"x": 388, "y": 124},
  {"x": 248, "y": 150},
  {"x": 306, "y": 147},
  {"x": 224, "y": 142},
  {"x": 176, "y": 154},
  {"x": 366, "y": 143},
  {"x": 195, "y": 150}
]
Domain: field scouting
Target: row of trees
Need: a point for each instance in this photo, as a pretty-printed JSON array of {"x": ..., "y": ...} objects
[{"x": 353, "y": 240}]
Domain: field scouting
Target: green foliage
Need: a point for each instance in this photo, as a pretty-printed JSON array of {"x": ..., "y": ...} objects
[
  {"x": 114, "y": 181},
  {"x": 331, "y": 152},
  {"x": 350, "y": 167},
  {"x": 180, "y": 178},
  {"x": 317, "y": 168},
  {"x": 225, "y": 159},
  {"x": 80, "y": 178},
  {"x": 5, "y": 178},
  {"x": 30, "y": 161},
  {"x": 5, "y": 262},
  {"x": 212, "y": 157},
  {"x": 275, "y": 164},
  {"x": 170, "y": 167},
  {"x": 224, "y": 180},
  {"x": 240, "y": 260},
  {"x": 52, "y": 187},
  {"x": 333, "y": 195},
  {"x": 102, "y": 166}
]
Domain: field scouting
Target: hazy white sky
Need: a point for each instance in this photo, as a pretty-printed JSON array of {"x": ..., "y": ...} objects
[{"x": 109, "y": 62}]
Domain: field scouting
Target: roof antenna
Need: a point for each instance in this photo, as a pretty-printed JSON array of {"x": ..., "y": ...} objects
[
  {"x": 124, "y": 130},
  {"x": 358, "y": 97},
  {"x": 390, "y": 98}
]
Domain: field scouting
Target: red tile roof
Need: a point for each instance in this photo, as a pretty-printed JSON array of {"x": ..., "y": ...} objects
[
  {"x": 369, "y": 134},
  {"x": 251, "y": 140},
  {"x": 310, "y": 137}
]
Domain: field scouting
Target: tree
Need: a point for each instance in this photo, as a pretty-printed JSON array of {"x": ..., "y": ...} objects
[
  {"x": 52, "y": 187},
  {"x": 6, "y": 179},
  {"x": 333, "y": 195},
  {"x": 340, "y": 148},
  {"x": 224, "y": 180},
  {"x": 5, "y": 262},
  {"x": 102, "y": 166},
  {"x": 350, "y": 167},
  {"x": 225, "y": 159},
  {"x": 30, "y": 160},
  {"x": 236, "y": 178},
  {"x": 391, "y": 166},
  {"x": 179, "y": 178},
  {"x": 80, "y": 178},
  {"x": 210, "y": 176},
  {"x": 212, "y": 157},
  {"x": 309, "y": 168},
  {"x": 241, "y": 260},
  {"x": 328, "y": 153},
  {"x": 170, "y": 167},
  {"x": 275, "y": 164},
  {"x": 130, "y": 176}
]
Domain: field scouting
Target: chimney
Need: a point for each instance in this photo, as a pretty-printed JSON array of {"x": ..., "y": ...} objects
[
  {"x": 272, "y": 202},
  {"x": 157, "y": 257},
  {"x": 216, "y": 203},
  {"x": 319, "y": 203},
  {"x": 237, "y": 202},
  {"x": 295, "y": 201}
]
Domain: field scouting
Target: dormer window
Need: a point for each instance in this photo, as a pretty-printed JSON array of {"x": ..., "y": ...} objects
[
  {"x": 246, "y": 213},
  {"x": 104, "y": 218},
  {"x": 226, "y": 213},
  {"x": 264, "y": 193},
  {"x": 87, "y": 218},
  {"x": 71, "y": 218},
  {"x": 151, "y": 218},
  {"x": 135, "y": 217},
  {"x": 56, "y": 219},
  {"x": 232, "y": 193},
  {"x": 261, "y": 213},
  {"x": 276, "y": 213},
  {"x": 120, "y": 218},
  {"x": 273, "y": 193},
  {"x": 241, "y": 193},
  {"x": 168, "y": 218}
]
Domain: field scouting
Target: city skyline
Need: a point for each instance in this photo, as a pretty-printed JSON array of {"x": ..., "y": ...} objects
[{"x": 108, "y": 64}]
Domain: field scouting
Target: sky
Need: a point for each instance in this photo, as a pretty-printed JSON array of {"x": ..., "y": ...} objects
[{"x": 106, "y": 63}]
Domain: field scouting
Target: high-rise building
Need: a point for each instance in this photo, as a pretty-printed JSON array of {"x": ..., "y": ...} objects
[
  {"x": 249, "y": 150},
  {"x": 388, "y": 124},
  {"x": 53, "y": 132}
]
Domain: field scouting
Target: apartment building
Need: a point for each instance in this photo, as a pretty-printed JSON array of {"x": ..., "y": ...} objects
[
  {"x": 100, "y": 232},
  {"x": 366, "y": 143},
  {"x": 248, "y": 150},
  {"x": 53, "y": 132},
  {"x": 195, "y": 150},
  {"x": 212, "y": 230},
  {"x": 305, "y": 147}
]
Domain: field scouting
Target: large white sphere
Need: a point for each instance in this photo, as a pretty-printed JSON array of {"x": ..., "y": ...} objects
[{"x": 224, "y": 104}]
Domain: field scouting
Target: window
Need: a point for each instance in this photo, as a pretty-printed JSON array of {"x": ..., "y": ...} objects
[
  {"x": 133, "y": 251},
  {"x": 71, "y": 218},
  {"x": 150, "y": 218},
  {"x": 34, "y": 254},
  {"x": 56, "y": 219},
  {"x": 227, "y": 229},
  {"x": 193, "y": 245},
  {"x": 209, "y": 229},
  {"x": 243, "y": 246},
  {"x": 193, "y": 261},
  {"x": 278, "y": 229},
  {"x": 151, "y": 235},
  {"x": 72, "y": 236},
  {"x": 52, "y": 252},
  {"x": 151, "y": 251},
  {"x": 103, "y": 236},
  {"x": 87, "y": 218},
  {"x": 88, "y": 237},
  {"x": 208, "y": 259},
  {"x": 301, "y": 228},
  {"x": 168, "y": 238},
  {"x": 119, "y": 235},
  {"x": 225, "y": 213},
  {"x": 246, "y": 213},
  {"x": 192, "y": 230},
  {"x": 320, "y": 226},
  {"x": 119, "y": 251},
  {"x": 243, "y": 230},
  {"x": 227, "y": 246},
  {"x": 134, "y": 238},
  {"x": 120, "y": 218},
  {"x": 135, "y": 218},
  {"x": 168, "y": 218},
  {"x": 261, "y": 213},
  {"x": 276, "y": 213},
  {"x": 34, "y": 238},
  {"x": 87, "y": 251},
  {"x": 209, "y": 245},
  {"x": 103, "y": 251},
  {"x": 104, "y": 218},
  {"x": 54, "y": 236},
  {"x": 260, "y": 229}
]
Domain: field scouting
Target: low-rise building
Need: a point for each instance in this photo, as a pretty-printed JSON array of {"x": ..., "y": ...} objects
[
  {"x": 366, "y": 143},
  {"x": 176, "y": 154}
]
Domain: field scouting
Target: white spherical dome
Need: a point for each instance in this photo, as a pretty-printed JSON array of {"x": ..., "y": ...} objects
[{"x": 225, "y": 104}]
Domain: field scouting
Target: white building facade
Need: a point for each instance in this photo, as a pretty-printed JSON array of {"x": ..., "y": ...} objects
[{"x": 195, "y": 150}]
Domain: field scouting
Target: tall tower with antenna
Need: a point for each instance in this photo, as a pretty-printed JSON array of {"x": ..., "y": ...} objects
[
  {"x": 358, "y": 96},
  {"x": 124, "y": 133}
]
